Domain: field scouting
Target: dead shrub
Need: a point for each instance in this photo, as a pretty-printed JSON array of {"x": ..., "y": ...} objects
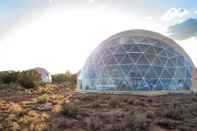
[
  {"x": 70, "y": 110},
  {"x": 93, "y": 123},
  {"x": 137, "y": 122},
  {"x": 173, "y": 111},
  {"x": 95, "y": 104},
  {"x": 167, "y": 123},
  {"x": 115, "y": 102}
]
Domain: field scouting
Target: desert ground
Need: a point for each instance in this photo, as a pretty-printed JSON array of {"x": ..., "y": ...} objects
[{"x": 53, "y": 108}]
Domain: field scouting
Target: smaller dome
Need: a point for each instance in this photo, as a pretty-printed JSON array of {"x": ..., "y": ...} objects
[{"x": 44, "y": 74}]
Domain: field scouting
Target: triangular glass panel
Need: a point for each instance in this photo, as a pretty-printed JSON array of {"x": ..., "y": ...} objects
[
  {"x": 188, "y": 83},
  {"x": 130, "y": 49},
  {"x": 162, "y": 84},
  {"x": 143, "y": 60},
  {"x": 92, "y": 74},
  {"x": 169, "y": 63},
  {"x": 113, "y": 60},
  {"x": 173, "y": 84},
  {"x": 105, "y": 53},
  {"x": 166, "y": 83},
  {"x": 157, "y": 61},
  {"x": 171, "y": 71},
  {"x": 105, "y": 73},
  {"x": 158, "y": 50},
  {"x": 127, "y": 47},
  {"x": 165, "y": 74},
  {"x": 152, "y": 70},
  {"x": 117, "y": 82},
  {"x": 135, "y": 72},
  {"x": 151, "y": 73},
  {"x": 150, "y": 57},
  {"x": 126, "y": 68},
  {"x": 180, "y": 73},
  {"x": 130, "y": 82},
  {"x": 100, "y": 61},
  {"x": 158, "y": 86},
  {"x": 188, "y": 74},
  {"x": 173, "y": 61},
  {"x": 124, "y": 86},
  {"x": 116, "y": 72},
  {"x": 135, "y": 48},
  {"x": 110, "y": 60},
  {"x": 143, "y": 85},
  {"x": 153, "y": 83},
  {"x": 120, "y": 50},
  {"x": 143, "y": 68},
  {"x": 126, "y": 60},
  {"x": 170, "y": 53},
  {"x": 180, "y": 61},
  {"x": 113, "y": 49},
  {"x": 163, "y": 60},
  {"x": 105, "y": 60},
  {"x": 164, "y": 53},
  {"x": 134, "y": 56},
  {"x": 151, "y": 50},
  {"x": 118, "y": 58},
  {"x": 143, "y": 48}
]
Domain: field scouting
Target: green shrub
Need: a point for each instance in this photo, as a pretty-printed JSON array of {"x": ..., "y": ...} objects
[
  {"x": 64, "y": 77},
  {"x": 29, "y": 79},
  {"x": 8, "y": 77},
  {"x": 68, "y": 80}
]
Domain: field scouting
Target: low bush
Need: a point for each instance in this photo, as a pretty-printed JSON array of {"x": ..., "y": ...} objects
[
  {"x": 43, "y": 98},
  {"x": 70, "y": 110},
  {"x": 173, "y": 111},
  {"x": 29, "y": 79},
  {"x": 8, "y": 77},
  {"x": 115, "y": 102},
  {"x": 93, "y": 123},
  {"x": 137, "y": 122},
  {"x": 64, "y": 77},
  {"x": 167, "y": 123},
  {"x": 67, "y": 80}
]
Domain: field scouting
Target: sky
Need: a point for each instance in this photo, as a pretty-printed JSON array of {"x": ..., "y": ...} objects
[{"x": 59, "y": 35}]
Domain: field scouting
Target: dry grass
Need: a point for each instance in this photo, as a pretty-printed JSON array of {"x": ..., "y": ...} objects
[{"x": 97, "y": 112}]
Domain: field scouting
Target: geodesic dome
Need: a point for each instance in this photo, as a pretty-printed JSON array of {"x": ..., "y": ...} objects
[
  {"x": 137, "y": 60},
  {"x": 43, "y": 74}
]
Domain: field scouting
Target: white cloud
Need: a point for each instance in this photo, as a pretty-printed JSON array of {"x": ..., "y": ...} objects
[
  {"x": 91, "y": 1},
  {"x": 148, "y": 18},
  {"x": 195, "y": 12},
  {"x": 175, "y": 14},
  {"x": 190, "y": 46}
]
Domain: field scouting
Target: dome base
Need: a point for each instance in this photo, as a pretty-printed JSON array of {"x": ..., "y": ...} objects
[{"x": 143, "y": 93}]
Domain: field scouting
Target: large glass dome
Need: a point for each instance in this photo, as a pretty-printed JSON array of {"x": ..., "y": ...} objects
[{"x": 137, "y": 60}]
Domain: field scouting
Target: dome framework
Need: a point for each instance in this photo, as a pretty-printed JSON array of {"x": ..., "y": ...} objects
[{"x": 137, "y": 60}]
